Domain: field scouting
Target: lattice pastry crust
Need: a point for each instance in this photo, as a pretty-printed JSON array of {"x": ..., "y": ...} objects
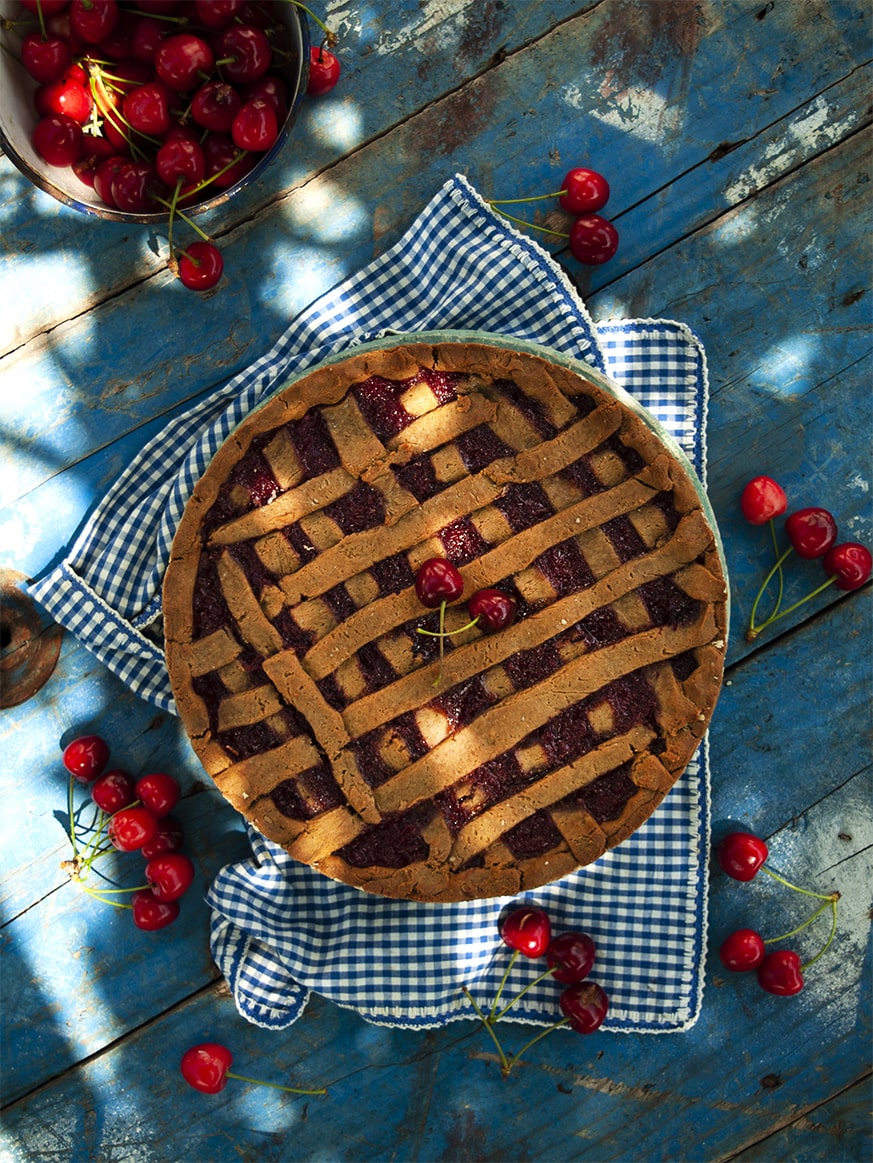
[{"x": 291, "y": 621}]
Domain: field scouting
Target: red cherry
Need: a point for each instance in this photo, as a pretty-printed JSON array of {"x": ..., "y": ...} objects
[
  {"x": 570, "y": 956},
  {"x": 593, "y": 240},
  {"x": 158, "y": 792},
  {"x": 762, "y": 499},
  {"x": 180, "y": 157},
  {"x": 215, "y": 105},
  {"x": 168, "y": 838},
  {"x": 271, "y": 89},
  {"x": 585, "y": 191},
  {"x": 183, "y": 60},
  {"x": 781, "y": 973},
  {"x": 741, "y": 854},
  {"x": 45, "y": 58},
  {"x": 493, "y": 607},
  {"x": 849, "y": 563},
  {"x": 147, "y": 108},
  {"x": 585, "y": 1005},
  {"x": 201, "y": 266},
  {"x": 58, "y": 139},
  {"x": 113, "y": 791},
  {"x": 147, "y": 36},
  {"x": 97, "y": 150},
  {"x": 86, "y": 757},
  {"x": 133, "y": 187},
  {"x": 169, "y": 875},
  {"x": 105, "y": 175},
  {"x": 742, "y": 950},
  {"x": 149, "y": 913},
  {"x": 205, "y": 1067},
  {"x": 255, "y": 127},
  {"x": 218, "y": 13},
  {"x": 324, "y": 71},
  {"x": 130, "y": 828},
  {"x": 93, "y": 20},
  {"x": 49, "y": 7},
  {"x": 245, "y": 53},
  {"x": 226, "y": 160},
  {"x": 67, "y": 95},
  {"x": 812, "y": 531},
  {"x": 528, "y": 930},
  {"x": 438, "y": 581}
]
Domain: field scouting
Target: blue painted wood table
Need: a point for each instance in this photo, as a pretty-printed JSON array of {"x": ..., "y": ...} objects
[{"x": 736, "y": 138}]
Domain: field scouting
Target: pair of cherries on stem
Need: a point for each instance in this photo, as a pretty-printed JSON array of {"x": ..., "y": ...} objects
[
  {"x": 438, "y": 582},
  {"x": 593, "y": 239},
  {"x": 813, "y": 534},
  {"x": 569, "y": 958},
  {"x": 742, "y": 856},
  {"x": 206, "y": 1067}
]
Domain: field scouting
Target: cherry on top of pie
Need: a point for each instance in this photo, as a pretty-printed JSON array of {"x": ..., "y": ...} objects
[{"x": 292, "y": 622}]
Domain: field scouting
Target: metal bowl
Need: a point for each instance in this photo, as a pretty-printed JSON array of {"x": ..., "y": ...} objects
[{"x": 18, "y": 118}]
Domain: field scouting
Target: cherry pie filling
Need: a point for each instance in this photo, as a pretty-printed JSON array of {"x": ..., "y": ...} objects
[{"x": 385, "y": 744}]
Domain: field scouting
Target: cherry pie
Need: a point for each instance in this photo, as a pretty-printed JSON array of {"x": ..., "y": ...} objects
[{"x": 292, "y": 620}]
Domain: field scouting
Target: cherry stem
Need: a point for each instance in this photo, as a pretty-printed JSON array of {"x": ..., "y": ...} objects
[
  {"x": 532, "y": 225},
  {"x": 175, "y": 210},
  {"x": 106, "y": 900},
  {"x": 822, "y": 896},
  {"x": 449, "y": 633},
  {"x": 504, "y": 1061},
  {"x": 784, "y": 936},
  {"x": 517, "y": 1056},
  {"x": 276, "y": 1086},
  {"x": 329, "y": 37},
  {"x": 754, "y": 630},
  {"x": 831, "y": 935},
  {"x": 506, "y": 973},
  {"x": 533, "y": 198},
  {"x": 540, "y": 977},
  {"x": 72, "y": 821}
]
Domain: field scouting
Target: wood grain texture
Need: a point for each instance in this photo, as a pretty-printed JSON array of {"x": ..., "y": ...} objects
[{"x": 735, "y": 135}]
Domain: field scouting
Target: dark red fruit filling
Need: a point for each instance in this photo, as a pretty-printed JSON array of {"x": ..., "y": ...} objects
[
  {"x": 313, "y": 792},
  {"x": 601, "y": 628},
  {"x": 209, "y": 608},
  {"x": 300, "y": 543},
  {"x": 363, "y": 508},
  {"x": 338, "y": 600},
  {"x": 568, "y": 736},
  {"x": 463, "y": 703},
  {"x": 243, "y": 742},
  {"x": 605, "y": 798},
  {"x": 582, "y": 475},
  {"x": 313, "y": 444},
  {"x": 533, "y": 837},
  {"x": 565, "y": 568},
  {"x": 479, "y": 447},
  {"x": 257, "y": 574},
  {"x": 380, "y": 399},
  {"x": 524, "y": 506},
  {"x": 632, "y": 701},
  {"x": 368, "y": 749},
  {"x": 419, "y": 478},
  {"x": 393, "y": 574},
  {"x": 375, "y": 667},
  {"x": 527, "y": 667},
  {"x": 462, "y": 542},
  {"x": 624, "y": 539},
  {"x": 684, "y": 665},
  {"x": 667, "y": 604},
  {"x": 527, "y": 406},
  {"x": 394, "y": 843}
]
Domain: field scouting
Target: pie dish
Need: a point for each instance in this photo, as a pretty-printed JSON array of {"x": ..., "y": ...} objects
[{"x": 293, "y": 626}]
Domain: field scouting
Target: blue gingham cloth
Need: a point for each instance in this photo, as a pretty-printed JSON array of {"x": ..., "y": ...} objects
[{"x": 280, "y": 930}]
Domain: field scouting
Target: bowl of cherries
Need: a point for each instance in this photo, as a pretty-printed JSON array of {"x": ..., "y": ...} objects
[{"x": 142, "y": 111}]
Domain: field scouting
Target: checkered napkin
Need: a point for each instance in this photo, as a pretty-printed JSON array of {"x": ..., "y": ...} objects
[{"x": 280, "y": 930}]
